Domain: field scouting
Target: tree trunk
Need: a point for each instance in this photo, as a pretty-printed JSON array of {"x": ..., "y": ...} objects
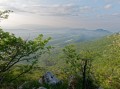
[{"x": 84, "y": 75}]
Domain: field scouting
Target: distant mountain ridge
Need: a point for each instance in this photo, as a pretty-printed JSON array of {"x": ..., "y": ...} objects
[
  {"x": 61, "y": 36},
  {"x": 102, "y": 30}
]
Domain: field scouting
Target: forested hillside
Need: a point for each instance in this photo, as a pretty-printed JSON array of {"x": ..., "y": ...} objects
[
  {"x": 105, "y": 69},
  {"x": 87, "y": 63}
]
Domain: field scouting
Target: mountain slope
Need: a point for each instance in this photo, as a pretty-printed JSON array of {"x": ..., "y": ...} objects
[{"x": 105, "y": 66}]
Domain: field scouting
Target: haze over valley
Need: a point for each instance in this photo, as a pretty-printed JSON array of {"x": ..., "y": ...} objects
[{"x": 60, "y": 36}]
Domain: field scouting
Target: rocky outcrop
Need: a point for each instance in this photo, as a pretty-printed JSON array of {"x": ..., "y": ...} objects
[
  {"x": 100, "y": 87},
  {"x": 42, "y": 88},
  {"x": 49, "y": 78}
]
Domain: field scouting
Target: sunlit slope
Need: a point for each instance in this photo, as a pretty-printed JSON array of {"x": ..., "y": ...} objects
[{"x": 105, "y": 66}]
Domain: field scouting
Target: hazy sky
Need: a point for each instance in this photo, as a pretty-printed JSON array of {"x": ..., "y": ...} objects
[{"x": 91, "y": 14}]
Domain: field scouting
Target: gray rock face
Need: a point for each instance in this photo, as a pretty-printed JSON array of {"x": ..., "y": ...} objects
[
  {"x": 100, "y": 87},
  {"x": 42, "y": 88},
  {"x": 49, "y": 78}
]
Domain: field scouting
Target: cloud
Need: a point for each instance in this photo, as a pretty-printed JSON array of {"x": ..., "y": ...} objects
[
  {"x": 112, "y": 0},
  {"x": 85, "y": 9},
  {"x": 46, "y": 10},
  {"x": 55, "y": 10},
  {"x": 113, "y": 15},
  {"x": 108, "y": 6},
  {"x": 4, "y": 1},
  {"x": 58, "y": 9},
  {"x": 116, "y": 14}
]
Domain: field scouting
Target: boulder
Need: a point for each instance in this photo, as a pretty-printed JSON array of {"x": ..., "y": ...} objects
[
  {"x": 42, "y": 88},
  {"x": 100, "y": 87},
  {"x": 49, "y": 78}
]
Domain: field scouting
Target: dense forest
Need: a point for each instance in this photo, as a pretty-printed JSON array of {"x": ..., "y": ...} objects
[{"x": 93, "y": 64}]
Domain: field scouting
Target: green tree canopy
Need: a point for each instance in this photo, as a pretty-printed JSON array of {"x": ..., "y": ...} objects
[
  {"x": 14, "y": 50},
  {"x": 4, "y": 14}
]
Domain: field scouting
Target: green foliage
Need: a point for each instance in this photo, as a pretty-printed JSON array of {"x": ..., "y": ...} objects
[
  {"x": 15, "y": 50},
  {"x": 76, "y": 59},
  {"x": 80, "y": 63},
  {"x": 4, "y": 14},
  {"x": 72, "y": 58},
  {"x": 103, "y": 65},
  {"x": 107, "y": 68}
]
